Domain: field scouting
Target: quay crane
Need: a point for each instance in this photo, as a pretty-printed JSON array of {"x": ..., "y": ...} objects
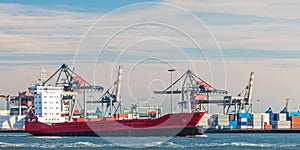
[
  {"x": 111, "y": 96},
  {"x": 195, "y": 92}
]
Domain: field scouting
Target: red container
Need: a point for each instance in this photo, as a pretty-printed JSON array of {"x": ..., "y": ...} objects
[{"x": 268, "y": 126}]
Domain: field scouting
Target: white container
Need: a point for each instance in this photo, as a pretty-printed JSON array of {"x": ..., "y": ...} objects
[
  {"x": 282, "y": 117},
  {"x": 242, "y": 120},
  {"x": 282, "y": 124},
  {"x": 242, "y": 127}
]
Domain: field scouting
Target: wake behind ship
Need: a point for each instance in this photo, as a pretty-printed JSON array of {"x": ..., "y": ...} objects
[{"x": 53, "y": 114}]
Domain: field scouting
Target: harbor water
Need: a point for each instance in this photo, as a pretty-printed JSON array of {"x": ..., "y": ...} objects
[{"x": 210, "y": 141}]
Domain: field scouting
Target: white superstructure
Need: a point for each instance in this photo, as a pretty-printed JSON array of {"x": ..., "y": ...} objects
[{"x": 47, "y": 103}]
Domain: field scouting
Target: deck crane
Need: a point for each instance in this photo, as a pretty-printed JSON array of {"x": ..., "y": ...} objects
[
  {"x": 194, "y": 91},
  {"x": 111, "y": 96}
]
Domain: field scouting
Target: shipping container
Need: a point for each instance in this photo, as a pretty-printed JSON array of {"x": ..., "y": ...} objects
[
  {"x": 282, "y": 124},
  {"x": 295, "y": 122},
  {"x": 244, "y": 115},
  {"x": 291, "y": 114},
  {"x": 233, "y": 124},
  {"x": 268, "y": 126}
]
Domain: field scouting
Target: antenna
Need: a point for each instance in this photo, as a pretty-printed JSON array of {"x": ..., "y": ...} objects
[{"x": 43, "y": 75}]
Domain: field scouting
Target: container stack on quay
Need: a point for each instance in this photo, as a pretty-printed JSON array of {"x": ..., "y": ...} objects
[
  {"x": 295, "y": 122},
  {"x": 243, "y": 121},
  {"x": 232, "y": 121},
  {"x": 281, "y": 122},
  {"x": 12, "y": 122},
  {"x": 255, "y": 121},
  {"x": 223, "y": 122},
  {"x": 295, "y": 119},
  {"x": 258, "y": 120}
]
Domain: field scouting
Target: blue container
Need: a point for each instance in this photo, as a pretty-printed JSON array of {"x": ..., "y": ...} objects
[
  {"x": 291, "y": 114},
  {"x": 227, "y": 127},
  {"x": 243, "y": 123},
  {"x": 231, "y": 119},
  {"x": 276, "y": 117},
  {"x": 287, "y": 117},
  {"x": 233, "y": 124},
  {"x": 272, "y": 116},
  {"x": 244, "y": 115}
]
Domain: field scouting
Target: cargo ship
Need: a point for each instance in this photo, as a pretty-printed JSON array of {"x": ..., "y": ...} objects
[
  {"x": 236, "y": 115},
  {"x": 53, "y": 113}
]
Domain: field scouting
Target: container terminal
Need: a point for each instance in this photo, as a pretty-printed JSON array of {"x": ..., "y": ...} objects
[{"x": 237, "y": 111}]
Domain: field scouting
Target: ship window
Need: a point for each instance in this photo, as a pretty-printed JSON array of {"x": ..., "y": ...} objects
[
  {"x": 40, "y": 108},
  {"x": 45, "y": 96},
  {"x": 45, "y": 107},
  {"x": 45, "y": 102},
  {"x": 57, "y": 113},
  {"x": 57, "y": 108},
  {"x": 51, "y": 96},
  {"x": 39, "y": 102},
  {"x": 56, "y": 102},
  {"x": 45, "y": 113}
]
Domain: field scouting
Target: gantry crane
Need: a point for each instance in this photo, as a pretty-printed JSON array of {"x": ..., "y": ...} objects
[
  {"x": 71, "y": 80},
  {"x": 241, "y": 102},
  {"x": 194, "y": 91},
  {"x": 111, "y": 96}
]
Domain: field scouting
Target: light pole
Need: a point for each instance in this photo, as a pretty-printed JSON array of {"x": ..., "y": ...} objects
[
  {"x": 258, "y": 101},
  {"x": 171, "y": 70}
]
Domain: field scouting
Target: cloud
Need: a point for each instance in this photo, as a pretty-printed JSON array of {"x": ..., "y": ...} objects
[
  {"x": 269, "y": 9},
  {"x": 32, "y": 37},
  {"x": 34, "y": 30}
]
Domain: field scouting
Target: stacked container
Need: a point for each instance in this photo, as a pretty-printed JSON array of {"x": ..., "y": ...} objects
[
  {"x": 232, "y": 121},
  {"x": 266, "y": 118},
  {"x": 280, "y": 121},
  {"x": 292, "y": 114},
  {"x": 282, "y": 124},
  {"x": 243, "y": 120},
  {"x": 10, "y": 122},
  {"x": 295, "y": 122},
  {"x": 223, "y": 120},
  {"x": 258, "y": 121},
  {"x": 220, "y": 121}
]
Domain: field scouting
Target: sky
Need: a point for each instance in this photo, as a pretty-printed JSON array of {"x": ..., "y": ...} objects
[{"x": 221, "y": 41}]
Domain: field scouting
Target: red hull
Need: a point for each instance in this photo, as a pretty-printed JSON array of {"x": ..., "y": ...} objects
[{"x": 180, "y": 124}]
